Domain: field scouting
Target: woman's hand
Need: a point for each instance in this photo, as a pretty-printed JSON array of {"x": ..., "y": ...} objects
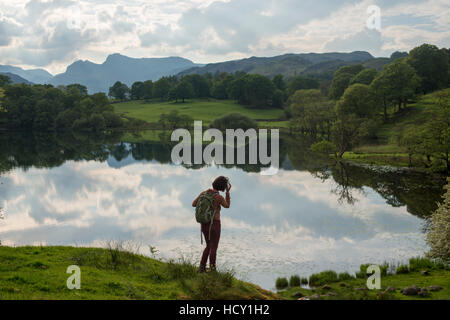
[{"x": 229, "y": 187}]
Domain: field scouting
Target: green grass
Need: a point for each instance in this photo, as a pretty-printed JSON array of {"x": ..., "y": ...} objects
[
  {"x": 113, "y": 273},
  {"x": 346, "y": 290},
  {"x": 386, "y": 150},
  {"x": 346, "y": 286},
  {"x": 205, "y": 110}
]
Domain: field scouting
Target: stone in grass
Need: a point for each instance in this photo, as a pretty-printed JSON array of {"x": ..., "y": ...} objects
[
  {"x": 332, "y": 294},
  {"x": 326, "y": 287},
  {"x": 434, "y": 288},
  {"x": 390, "y": 289},
  {"x": 314, "y": 297},
  {"x": 410, "y": 291},
  {"x": 425, "y": 272},
  {"x": 297, "y": 295},
  {"x": 424, "y": 293}
]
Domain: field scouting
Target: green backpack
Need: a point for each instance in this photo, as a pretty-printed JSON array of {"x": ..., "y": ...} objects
[{"x": 203, "y": 210}]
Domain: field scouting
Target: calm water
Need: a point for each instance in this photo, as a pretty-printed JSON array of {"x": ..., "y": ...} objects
[{"x": 312, "y": 216}]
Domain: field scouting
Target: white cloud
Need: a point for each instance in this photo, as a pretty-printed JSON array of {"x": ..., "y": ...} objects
[{"x": 54, "y": 33}]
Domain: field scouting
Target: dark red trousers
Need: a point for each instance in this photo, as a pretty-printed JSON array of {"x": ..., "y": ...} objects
[{"x": 212, "y": 243}]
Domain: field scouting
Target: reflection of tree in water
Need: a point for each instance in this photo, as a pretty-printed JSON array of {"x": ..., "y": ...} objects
[
  {"x": 418, "y": 191},
  {"x": 345, "y": 187}
]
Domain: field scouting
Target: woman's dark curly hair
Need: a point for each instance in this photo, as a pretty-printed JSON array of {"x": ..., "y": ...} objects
[{"x": 220, "y": 183}]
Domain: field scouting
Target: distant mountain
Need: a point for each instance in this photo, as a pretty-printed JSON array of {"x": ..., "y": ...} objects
[
  {"x": 99, "y": 77},
  {"x": 15, "y": 78},
  {"x": 288, "y": 64},
  {"x": 39, "y": 76}
]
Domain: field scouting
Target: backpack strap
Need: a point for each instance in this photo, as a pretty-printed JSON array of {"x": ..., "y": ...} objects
[{"x": 212, "y": 219}]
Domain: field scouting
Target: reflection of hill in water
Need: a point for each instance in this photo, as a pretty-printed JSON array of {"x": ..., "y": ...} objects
[{"x": 418, "y": 191}]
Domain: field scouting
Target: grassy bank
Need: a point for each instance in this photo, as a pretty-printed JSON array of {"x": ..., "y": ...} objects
[
  {"x": 386, "y": 149},
  {"x": 329, "y": 285},
  {"x": 205, "y": 110},
  {"x": 114, "y": 273}
]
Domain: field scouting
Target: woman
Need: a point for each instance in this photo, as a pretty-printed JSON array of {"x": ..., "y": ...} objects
[{"x": 212, "y": 240}]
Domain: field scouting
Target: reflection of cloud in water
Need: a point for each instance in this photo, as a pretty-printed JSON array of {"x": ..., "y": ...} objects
[{"x": 277, "y": 225}]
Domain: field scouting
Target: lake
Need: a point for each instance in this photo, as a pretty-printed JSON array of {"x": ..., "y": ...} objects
[{"x": 312, "y": 216}]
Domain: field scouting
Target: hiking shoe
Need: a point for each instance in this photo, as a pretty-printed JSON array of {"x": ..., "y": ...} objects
[{"x": 212, "y": 268}]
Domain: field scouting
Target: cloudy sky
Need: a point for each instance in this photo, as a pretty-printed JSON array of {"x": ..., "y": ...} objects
[{"x": 54, "y": 33}]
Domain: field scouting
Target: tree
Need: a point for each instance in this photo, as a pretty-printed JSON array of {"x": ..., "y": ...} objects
[
  {"x": 184, "y": 90},
  {"x": 279, "y": 82},
  {"x": 82, "y": 89},
  {"x": 398, "y": 55},
  {"x": 2, "y": 95},
  {"x": 357, "y": 100},
  {"x": 119, "y": 91},
  {"x": 260, "y": 90},
  {"x": 200, "y": 85},
  {"x": 161, "y": 88},
  {"x": 438, "y": 236},
  {"x": 364, "y": 77},
  {"x": 432, "y": 66},
  {"x": 341, "y": 80},
  {"x": 4, "y": 80},
  {"x": 302, "y": 83},
  {"x": 147, "y": 90},
  {"x": 311, "y": 112},
  {"x": 136, "y": 92},
  {"x": 278, "y": 99},
  {"x": 397, "y": 82}
]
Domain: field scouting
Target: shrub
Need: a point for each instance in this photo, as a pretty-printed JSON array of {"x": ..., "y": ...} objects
[
  {"x": 402, "y": 269},
  {"x": 383, "y": 268},
  {"x": 234, "y": 121},
  {"x": 325, "y": 277},
  {"x": 438, "y": 236},
  {"x": 294, "y": 281},
  {"x": 281, "y": 283},
  {"x": 344, "y": 276}
]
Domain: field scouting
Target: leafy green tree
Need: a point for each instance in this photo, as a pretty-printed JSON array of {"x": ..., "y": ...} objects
[
  {"x": 260, "y": 90},
  {"x": 184, "y": 90},
  {"x": 398, "y": 55},
  {"x": 2, "y": 95},
  {"x": 279, "y": 82},
  {"x": 432, "y": 66},
  {"x": 364, "y": 77},
  {"x": 219, "y": 90},
  {"x": 161, "y": 88},
  {"x": 342, "y": 78},
  {"x": 278, "y": 99},
  {"x": 82, "y": 89},
  {"x": 4, "y": 80},
  {"x": 358, "y": 100},
  {"x": 200, "y": 85},
  {"x": 302, "y": 83},
  {"x": 311, "y": 112},
  {"x": 136, "y": 92},
  {"x": 397, "y": 82},
  {"x": 147, "y": 90},
  {"x": 119, "y": 91}
]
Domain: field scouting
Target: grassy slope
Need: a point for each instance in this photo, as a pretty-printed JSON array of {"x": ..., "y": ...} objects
[
  {"x": 202, "y": 109},
  {"x": 40, "y": 273},
  {"x": 399, "y": 282},
  {"x": 387, "y": 150}
]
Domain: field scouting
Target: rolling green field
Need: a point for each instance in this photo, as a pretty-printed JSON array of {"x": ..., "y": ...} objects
[{"x": 205, "y": 110}]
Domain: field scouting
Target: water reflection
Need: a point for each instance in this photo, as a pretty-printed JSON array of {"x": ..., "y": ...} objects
[{"x": 312, "y": 216}]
